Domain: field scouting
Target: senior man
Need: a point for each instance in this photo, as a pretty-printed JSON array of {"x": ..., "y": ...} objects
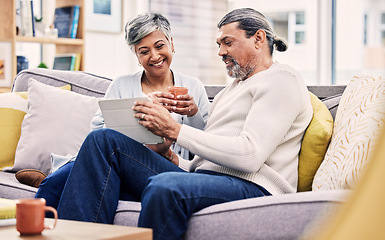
[{"x": 248, "y": 149}]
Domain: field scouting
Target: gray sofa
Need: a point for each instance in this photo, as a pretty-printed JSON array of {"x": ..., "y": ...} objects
[{"x": 274, "y": 217}]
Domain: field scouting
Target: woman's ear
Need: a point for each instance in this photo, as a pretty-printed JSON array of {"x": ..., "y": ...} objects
[
  {"x": 137, "y": 56},
  {"x": 172, "y": 45},
  {"x": 260, "y": 38}
]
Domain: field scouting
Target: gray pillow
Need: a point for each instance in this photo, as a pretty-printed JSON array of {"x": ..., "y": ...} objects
[{"x": 332, "y": 104}]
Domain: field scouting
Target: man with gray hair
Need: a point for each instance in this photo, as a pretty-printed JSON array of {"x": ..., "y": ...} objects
[{"x": 248, "y": 149}]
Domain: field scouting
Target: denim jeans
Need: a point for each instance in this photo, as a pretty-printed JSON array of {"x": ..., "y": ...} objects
[
  {"x": 52, "y": 186},
  {"x": 111, "y": 166}
]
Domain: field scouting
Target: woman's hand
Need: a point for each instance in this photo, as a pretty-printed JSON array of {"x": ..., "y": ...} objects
[
  {"x": 184, "y": 105},
  {"x": 156, "y": 118}
]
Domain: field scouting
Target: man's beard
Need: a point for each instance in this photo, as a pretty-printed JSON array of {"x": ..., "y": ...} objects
[{"x": 235, "y": 70}]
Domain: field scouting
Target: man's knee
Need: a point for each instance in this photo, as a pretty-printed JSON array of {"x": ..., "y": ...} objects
[{"x": 163, "y": 185}]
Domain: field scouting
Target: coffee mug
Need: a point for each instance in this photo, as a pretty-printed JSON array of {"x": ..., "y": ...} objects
[
  {"x": 177, "y": 91},
  {"x": 30, "y": 214}
]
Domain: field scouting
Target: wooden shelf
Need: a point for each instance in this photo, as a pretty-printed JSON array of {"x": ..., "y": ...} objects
[
  {"x": 63, "y": 41},
  {"x": 63, "y": 45},
  {"x": 5, "y": 89}
]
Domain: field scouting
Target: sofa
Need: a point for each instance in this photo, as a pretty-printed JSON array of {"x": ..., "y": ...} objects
[{"x": 287, "y": 216}]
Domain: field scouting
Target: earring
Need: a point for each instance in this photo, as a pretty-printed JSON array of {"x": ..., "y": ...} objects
[
  {"x": 173, "y": 51},
  {"x": 139, "y": 64}
]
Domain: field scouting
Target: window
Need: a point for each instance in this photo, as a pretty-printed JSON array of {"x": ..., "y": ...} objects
[
  {"x": 193, "y": 27},
  {"x": 299, "y": 27},
  {"x": 289, "y": 25},
  {"x": 359, "y": 43},
  {"x": 382, "y": 27},
  {"x": 330, "y": 41}
]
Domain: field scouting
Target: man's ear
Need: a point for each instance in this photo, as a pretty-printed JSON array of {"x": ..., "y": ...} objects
[{"x": 260, "y": 38}]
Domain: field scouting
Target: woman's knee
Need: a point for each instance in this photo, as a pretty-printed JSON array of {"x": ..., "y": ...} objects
[
  {"x": 106, "y": 136},
  {"x": 102, "y": 133}
]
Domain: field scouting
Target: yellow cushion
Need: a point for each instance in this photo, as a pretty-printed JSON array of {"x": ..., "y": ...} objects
[
  {"x": 25, "y": 94},
  {"x": 13, "y": 107},
  {"x": 314, "y": 144},
  {"x": 12, "y": 111}
]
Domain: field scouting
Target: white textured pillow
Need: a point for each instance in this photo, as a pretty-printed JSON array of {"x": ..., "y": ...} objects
[
  {"x": 57, "y": 122},
  {"x": 358, "y": 122}
]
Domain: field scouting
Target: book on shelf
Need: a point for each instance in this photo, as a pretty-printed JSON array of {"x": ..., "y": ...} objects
[
  {"x": 27, "y": 18},
  {"x": 77, "y": 62},
  {"x": 66, "y": 21},
  {"x": 64, "y": 61}
]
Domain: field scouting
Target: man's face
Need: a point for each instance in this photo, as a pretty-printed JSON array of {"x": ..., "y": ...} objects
[{"x": 237, "y": 51}]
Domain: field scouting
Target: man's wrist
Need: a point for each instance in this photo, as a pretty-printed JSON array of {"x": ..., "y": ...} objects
[{"x": 168, "y": 155}]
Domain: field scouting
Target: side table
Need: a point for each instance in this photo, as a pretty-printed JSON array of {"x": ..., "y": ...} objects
[{"x": 76, "y": 230}]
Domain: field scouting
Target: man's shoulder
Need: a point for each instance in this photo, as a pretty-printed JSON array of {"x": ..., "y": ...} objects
[{"x": 288, "y": 70}]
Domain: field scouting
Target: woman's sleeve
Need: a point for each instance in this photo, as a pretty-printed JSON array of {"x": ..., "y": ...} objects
[{"x": 97, "y": 121}]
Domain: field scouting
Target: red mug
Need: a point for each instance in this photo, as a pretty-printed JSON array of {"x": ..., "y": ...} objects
[
  {"x": 30, "y": 214},
  {"x": 176, "y": 91}
]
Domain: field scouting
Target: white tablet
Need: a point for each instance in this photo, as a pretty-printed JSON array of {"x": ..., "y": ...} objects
[{"x": 118, "y": 115}]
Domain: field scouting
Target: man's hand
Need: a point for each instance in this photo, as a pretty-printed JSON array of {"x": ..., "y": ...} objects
[{"x": 156, "y": 119}]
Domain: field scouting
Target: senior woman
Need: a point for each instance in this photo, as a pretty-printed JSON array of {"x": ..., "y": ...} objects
[{"x": 149, "y": 37}]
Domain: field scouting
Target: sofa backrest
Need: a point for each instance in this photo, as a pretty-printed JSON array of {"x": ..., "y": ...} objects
[
  {"x": 329, "y": 95},
  {"x": 93, "y": 85},
  {"x": 81, "y": 82}
]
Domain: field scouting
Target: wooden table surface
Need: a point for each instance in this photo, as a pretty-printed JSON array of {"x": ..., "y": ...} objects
[{"x": 75, "y": 230}]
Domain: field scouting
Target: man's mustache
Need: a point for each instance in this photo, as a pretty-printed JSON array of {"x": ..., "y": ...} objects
[{"x": 227, "y": 57}]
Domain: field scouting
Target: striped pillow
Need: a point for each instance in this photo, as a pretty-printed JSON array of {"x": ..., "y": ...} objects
[{"x": 360, "y": 115}]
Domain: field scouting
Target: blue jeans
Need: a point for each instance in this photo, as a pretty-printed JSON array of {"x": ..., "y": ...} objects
[
  {"x": 52, "y": 186},
  {"x": 111, "y": 166}
]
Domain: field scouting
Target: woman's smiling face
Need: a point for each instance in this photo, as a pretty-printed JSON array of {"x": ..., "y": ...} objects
[{"x": 155, "y": 53}]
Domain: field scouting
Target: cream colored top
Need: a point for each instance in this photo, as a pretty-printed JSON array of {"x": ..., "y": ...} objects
[{"x": 254, "y": 130}]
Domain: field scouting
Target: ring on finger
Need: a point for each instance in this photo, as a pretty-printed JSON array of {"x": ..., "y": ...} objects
[{"x": 143, "y": 115}]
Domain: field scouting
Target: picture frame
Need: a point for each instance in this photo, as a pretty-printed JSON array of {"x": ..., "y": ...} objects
[
  {"x": 5, "y": 64},
  {"x": 104, "y": 16}
]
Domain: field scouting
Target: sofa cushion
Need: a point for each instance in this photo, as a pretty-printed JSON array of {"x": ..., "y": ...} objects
[
  {"x": 359, "y": 117},
  {"x": 284, "y": 216},
  {"x": 57, "y": 122},
  {"x": 314, "y": 144},
  {"x": 10, "y": 188}
]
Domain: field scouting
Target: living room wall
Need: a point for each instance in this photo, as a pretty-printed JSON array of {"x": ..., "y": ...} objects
[{"x": 107, "y": 54}]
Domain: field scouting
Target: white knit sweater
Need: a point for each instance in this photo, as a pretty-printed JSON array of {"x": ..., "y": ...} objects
[{"x": 254, "y": 130}]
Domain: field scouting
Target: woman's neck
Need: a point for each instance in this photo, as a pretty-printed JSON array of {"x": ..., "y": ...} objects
[{"x": 157, "y": 84}]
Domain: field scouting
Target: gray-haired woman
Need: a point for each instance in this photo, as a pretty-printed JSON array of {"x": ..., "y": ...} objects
[{"x": 149, "y": 37}]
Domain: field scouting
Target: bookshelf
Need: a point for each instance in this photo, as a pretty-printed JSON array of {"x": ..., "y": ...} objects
[{"x": 63, "y": 45}]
